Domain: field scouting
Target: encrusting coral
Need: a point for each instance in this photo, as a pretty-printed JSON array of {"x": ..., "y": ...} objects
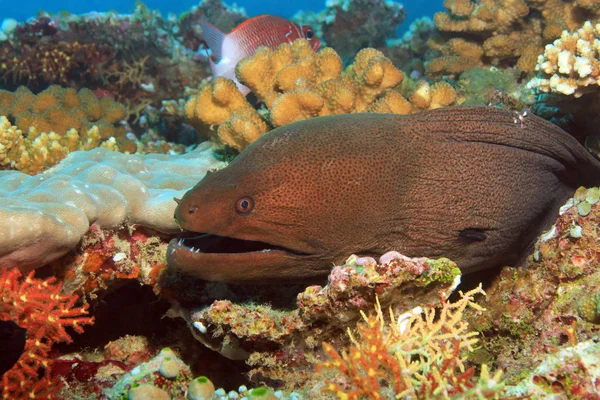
[
  {"x": 419, "y": 354},
  {"x": 262, "y": 334},
  {"x": 542, "y": 313},
  {"x": 572, "y": 372},
  {"x": 44, "y": 216},
  {"x": 571, "y": 64},
  {"x": 295, "y": 83}
]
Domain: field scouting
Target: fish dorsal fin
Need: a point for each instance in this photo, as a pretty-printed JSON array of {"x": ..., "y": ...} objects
[{"x": 214, "y": 37}]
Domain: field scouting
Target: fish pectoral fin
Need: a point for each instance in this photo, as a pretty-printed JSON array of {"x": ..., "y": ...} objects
[{"x": 214, "y": 37}]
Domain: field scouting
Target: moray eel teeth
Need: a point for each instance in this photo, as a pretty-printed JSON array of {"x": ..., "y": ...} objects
[
  {"x": 208, "y": 243},
  {"x": 218, "y": 253}
]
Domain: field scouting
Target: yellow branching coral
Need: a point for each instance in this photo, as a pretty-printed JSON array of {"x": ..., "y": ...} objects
[
  {"x": 572, "y": 63},
  {"x": 420, "y": 354},
  {"x": 295, "y": 83},
  {"x": 35, "y": 151}
]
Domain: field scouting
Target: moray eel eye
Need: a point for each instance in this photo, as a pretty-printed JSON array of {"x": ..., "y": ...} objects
[{"x": 244, "y": 206}]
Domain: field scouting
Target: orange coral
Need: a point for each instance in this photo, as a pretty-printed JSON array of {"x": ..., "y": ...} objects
[
  {"x": 494, "y": 32},
  {"x": 48, "y": 126},
  {"x": 40, "y": 308},
  {"x": 59, "y": 109},
  {"x": 421, "y": 354},
  {"x": 294, "y": 83}
]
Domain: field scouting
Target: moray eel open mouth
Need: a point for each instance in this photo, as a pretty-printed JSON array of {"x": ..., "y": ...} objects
[
  {"x": 215, "y": 244},
  {"x": 212, "y": 257}
]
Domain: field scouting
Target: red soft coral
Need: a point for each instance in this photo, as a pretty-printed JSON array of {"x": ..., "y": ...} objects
[{"x": 39, "y": 307}]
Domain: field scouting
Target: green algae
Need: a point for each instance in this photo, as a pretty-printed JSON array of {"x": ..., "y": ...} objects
[
  {"x": 441, "y": 270},
  {"x": 593, "y": 195},
  {"x": 584, "y": 208}
]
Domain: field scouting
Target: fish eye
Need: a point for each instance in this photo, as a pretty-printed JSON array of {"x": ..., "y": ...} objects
[
  {"x": 308, "y": 34},
  {"x": 244, "y": 205}
]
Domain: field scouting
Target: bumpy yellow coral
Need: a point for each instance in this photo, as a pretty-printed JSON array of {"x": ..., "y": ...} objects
[
  {"x": 37, "y": 131},
  {"x": 495, "y": 31},
  {"x": 505, "y": 31},
  {"x": 223, "y": 104},
  {"x": 34, "y": 151},
  {"x": 294, "y": 83},
  {"x": 430, "y": 97},
  {"x": 59, "y": 110}
]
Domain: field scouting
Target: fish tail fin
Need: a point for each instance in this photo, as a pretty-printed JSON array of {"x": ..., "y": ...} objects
[{"x": 214, "y": 37}]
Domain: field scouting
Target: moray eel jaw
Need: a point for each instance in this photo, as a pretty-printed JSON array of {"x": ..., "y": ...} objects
[
  {"x": 235, "y": 247},
  {"x": 219, "y": 258}
]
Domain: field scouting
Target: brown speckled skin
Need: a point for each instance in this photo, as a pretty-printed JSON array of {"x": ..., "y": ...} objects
[{"x": 474, "y": 184}]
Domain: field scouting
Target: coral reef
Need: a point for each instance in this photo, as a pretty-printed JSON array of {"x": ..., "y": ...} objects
[
  {"x": 494, "y": 87},
  {"x": 105, "y": 258},
  {"x": 348, "y": 26},
  {"x": 223, "y": 16},
  {"x": 98, "y": 222},
  {"x": 163, "y": 377},
  {"x": 489, "y": 32},
  {"x": 420, "y": 354},
  {"x": 137, "y": 58},
  {"x": 275, "y": 341},
  {"x": 54, "y": 63},
  {"x": 296, "y": 83},
  {"x": 570, "y": 65},
  {"x": 410, "y": 52},
  {"x": 535, "y": 310},
  {"x": 45, "y": 216},
  {"x": 572, "y": 372},
  {"x": 351, "y": 25},
  {"x": 59, "y": 110},
  {"x": 43, "y": 150},
  {"x": 502, "y": 32},
  {"x": 46, "y": 127},
  {"x": 39, "y": 307},
  {"x": 158, "y": 375}
]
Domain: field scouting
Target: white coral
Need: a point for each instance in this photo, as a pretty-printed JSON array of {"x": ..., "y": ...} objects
[
  {"x": 44, "y": 216},
  {"x": 571, "y": 64}
]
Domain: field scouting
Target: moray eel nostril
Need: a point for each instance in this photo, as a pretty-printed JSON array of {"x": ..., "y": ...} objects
[{"x": 474, "y": 184}]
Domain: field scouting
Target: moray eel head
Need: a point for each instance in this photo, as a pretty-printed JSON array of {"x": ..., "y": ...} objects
[{"x": 241, "y": 234}]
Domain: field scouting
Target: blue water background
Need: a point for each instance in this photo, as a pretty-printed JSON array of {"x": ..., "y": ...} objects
[{"x": 21, "y": 10}]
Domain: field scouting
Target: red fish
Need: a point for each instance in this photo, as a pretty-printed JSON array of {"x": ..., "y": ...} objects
[
  {"x": 102, "y": 93},
  {"x": 264, "y": 30}
]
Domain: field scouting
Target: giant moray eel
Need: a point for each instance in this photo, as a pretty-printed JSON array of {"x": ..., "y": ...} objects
[{"x": 474, "y": 184}]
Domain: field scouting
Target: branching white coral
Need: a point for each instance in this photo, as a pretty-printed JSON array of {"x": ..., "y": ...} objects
[{"x": 570, "y": 65}]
